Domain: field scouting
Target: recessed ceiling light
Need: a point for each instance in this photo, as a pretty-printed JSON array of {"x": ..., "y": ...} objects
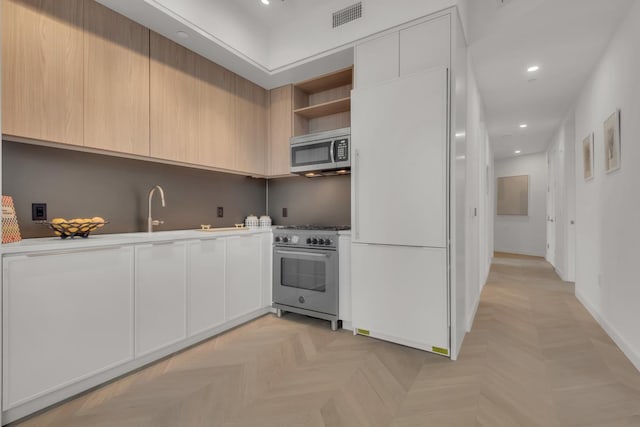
[
  {"x": 265, "y": 1},
  {"x": 523, "y": 125},
  {"x": 517, "y": 151},
  {"x": 182, "y": 35},
  {"x": 533, "y": 68},
  {"x": 461, "y": 134}
]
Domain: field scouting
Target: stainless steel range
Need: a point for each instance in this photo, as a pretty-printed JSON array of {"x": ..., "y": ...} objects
[{"x": 305, "y": 271}]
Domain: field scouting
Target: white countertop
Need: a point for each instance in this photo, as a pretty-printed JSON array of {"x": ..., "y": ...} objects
[{"x": 57, "y": 244}]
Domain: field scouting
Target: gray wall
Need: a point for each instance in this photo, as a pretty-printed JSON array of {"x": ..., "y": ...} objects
[
  {"x": 321, "y": 201},
  {"x": 76, "y": 184}
]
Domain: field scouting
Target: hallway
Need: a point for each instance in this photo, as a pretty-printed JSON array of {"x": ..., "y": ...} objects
[{"x": 535, "y": 357}]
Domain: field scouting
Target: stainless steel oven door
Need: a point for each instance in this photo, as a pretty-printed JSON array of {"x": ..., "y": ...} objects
[{"x": 306, "y": 279}]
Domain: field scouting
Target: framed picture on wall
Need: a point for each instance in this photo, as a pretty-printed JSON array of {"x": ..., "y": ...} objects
[
  {"x": 513, "y": 195},
  {"x": 587, "y": 157},
  {"x": 612, "y": 142}
]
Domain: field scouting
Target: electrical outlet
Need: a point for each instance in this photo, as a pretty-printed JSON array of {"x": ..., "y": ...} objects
[
  {"x": 38, "y": 211},
  {"x": 220, "y": 211},
  {"x": 285, "y": 212}
]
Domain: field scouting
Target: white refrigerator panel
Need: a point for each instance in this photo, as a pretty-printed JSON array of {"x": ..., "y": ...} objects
[
  {"x": 400, "y": 294},
  {"x": 399, "y": 143}
]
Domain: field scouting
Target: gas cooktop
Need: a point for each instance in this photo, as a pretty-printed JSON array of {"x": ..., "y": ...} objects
[{"x": 315, "y": 227}]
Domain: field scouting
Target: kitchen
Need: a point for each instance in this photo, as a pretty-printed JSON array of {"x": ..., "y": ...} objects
[{"x": 103, "y": 141}]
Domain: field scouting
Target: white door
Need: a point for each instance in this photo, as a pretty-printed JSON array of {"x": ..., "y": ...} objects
[
  {"x": 399, "y": 141},
  {"x": 161, "y": 296},
  {"x": 205, "y": 280},
  {"x": 243, "y": 293},
  {"x": 65, "y": 317},
  {"x": 400, "y": 295},
  {"x": 551, "y": 212}
]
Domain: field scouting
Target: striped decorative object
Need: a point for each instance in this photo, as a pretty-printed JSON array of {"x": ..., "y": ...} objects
[{"x": 10, "y": 228}]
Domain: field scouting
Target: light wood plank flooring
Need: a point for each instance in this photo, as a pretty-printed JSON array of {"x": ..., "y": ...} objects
[{"x": 535, "y": 357}]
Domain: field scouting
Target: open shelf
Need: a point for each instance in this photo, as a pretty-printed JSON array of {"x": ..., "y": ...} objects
[
  {"x": 325, "y": 109},
  {"x": 323, "y": 103},
  {"x": 326, "y": 82}
]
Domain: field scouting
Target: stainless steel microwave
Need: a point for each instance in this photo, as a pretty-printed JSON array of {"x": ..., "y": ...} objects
[{"x": 322, "y": 153}]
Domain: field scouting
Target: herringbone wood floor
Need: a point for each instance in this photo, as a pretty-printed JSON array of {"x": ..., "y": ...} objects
[{"x": 535, "y": 357}]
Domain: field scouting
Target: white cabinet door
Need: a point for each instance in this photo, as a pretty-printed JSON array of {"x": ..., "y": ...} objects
[
  {"x": 65, "y": 317},
  {"x": 399, "y": 141},
  {"x": 425, "y": 46},
  {"x": 344, "y": 262},
  {"x": 244, "y": 275},
  {"x": 161, "y": 296},
  {"x": 400, "y": 294},
  {"x": 205, "y": 278},
  {"x": 377, "y": 61},
  {"x": 267, "y": 269}
]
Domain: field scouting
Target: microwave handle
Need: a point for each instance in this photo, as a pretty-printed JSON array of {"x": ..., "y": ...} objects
[{"x": 333, "y": 157}]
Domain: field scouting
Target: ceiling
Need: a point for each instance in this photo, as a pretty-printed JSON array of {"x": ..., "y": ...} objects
[
  {"x": 566, "y": 38},
  {"x": 292, "y": 40}
]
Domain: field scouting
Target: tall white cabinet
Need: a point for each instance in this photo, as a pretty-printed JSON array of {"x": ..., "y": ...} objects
[{"x": 402, "y": 121}]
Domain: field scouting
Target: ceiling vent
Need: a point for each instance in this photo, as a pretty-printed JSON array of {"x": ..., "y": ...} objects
[
  {"x": 347, "y": 14},
  {"x": 503, "y": 2}
]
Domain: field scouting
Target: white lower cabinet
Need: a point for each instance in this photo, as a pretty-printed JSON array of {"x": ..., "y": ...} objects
[
  {"x": 66, "y": 317},
  {"x": 205, "y": 277},
  {"x": 243, "y": 293},
  {"x": 75, "y": 318},
  {"x": 161, "y": 296},
  {"x": 400, "y": 294}
]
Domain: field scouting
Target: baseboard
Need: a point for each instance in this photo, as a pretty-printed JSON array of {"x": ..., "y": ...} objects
[
  {"x": 628, "y": 351},
  {"x": 522, "y": 252},
  {"x": 471, "y": 318}
]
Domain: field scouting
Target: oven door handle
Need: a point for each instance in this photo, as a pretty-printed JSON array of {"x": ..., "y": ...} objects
[{"x": 303, "y": 254}]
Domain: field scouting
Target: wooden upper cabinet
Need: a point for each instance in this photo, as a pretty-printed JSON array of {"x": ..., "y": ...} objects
[
  {"x": 42, "y": 73},
  {"x": 116, "y": 82},
  {"x": 251, "y": 127},
  {"x": 216, "y": 115},
  {"x": 280, "y": 130},
  {"x": 192, "y": 107},
  {"x": 174, "y": 107}
]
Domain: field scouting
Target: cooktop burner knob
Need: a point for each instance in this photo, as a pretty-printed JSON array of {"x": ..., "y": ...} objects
[
  {"x": 321, "y": 242},
  {"x": 308, "y": 241},
  {"x": 285, "y": 239},
  {"x": 314, "y": 241},
  {"x": 277, "y": 239},
  {"x": 327, "y": 242}
]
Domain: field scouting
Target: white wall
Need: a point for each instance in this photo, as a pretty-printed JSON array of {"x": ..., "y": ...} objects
[
  {"x": 607, "y": 208},
  {"x": 524, "y": 235},
  {"x": 561, "y": 150}
]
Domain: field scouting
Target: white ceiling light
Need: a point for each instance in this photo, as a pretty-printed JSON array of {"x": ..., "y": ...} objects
[
  {"x": 533, "y": 68},
  {"x": 461, "y": 134},
  {"x": 265, "y": 1},
  {"x": 517, "y": 151},
  {"x": 523, "y": 125}
]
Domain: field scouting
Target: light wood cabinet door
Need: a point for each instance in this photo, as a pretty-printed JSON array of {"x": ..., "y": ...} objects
[
  {"x": 42, "y": 76},
  {"x": 216, "y": 101},
  {"x": 280, "y": 130},
  {"x": 174, "y": 107},
  {"x": 251, "y": 127},
  {"x": 116, "y": 82}
]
